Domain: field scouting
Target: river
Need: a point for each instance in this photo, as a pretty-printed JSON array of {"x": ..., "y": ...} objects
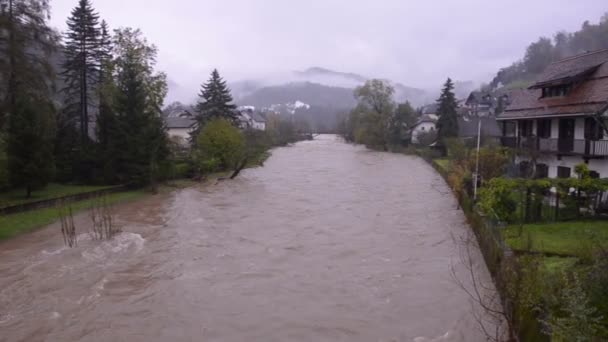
[{"x": 326, "y": 242}]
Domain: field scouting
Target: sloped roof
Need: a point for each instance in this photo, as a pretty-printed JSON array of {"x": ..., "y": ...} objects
[
  {"x": 469, "y": 126},
  {"x": 179, "y": 122},
  {"x": 588, "y": 97},
  {"x": 573, "y": 66},
  {"x": 257, "y": 117}
]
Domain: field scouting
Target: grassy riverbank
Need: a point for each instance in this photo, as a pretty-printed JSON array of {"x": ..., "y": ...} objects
[
  {"x": 19, "y": 223},
  {"x": 53, "y": 190}
]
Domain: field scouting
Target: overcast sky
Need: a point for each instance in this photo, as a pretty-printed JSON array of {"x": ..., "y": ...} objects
[{"x": 416, "y": 42}]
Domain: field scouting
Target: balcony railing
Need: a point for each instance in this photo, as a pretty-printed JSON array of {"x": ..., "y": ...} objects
[{"x": 585, "y": 147}]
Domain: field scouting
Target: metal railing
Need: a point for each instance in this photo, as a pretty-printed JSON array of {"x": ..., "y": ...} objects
[{"x": 585, "y": 147}]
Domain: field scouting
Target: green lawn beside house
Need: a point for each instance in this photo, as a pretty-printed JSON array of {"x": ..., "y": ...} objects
[
  {"x": 443, "y": 163},
  {"x": 14, "y": 224},
  {"x": 575, "y": 239},
  {"x": 53, "y": 190}
]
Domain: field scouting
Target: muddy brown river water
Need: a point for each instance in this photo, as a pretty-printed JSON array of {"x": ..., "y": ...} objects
[{"x": 326, "y": 242}]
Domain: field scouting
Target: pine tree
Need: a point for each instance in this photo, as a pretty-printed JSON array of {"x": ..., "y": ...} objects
[
  {"x": 107, "y": 130},
  {"x": 25, "y": 46},
  {"x": 81, "y": 66},
  {"x": 30, "y": 148},
  {"x": 139, "y": 129},
  {"x": 215, "y": 102},
  {"x": 447, "y": 125},
  {"x": 27, "y": 109}
]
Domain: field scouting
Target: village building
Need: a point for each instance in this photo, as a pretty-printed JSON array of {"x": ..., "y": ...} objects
[
  {"x": 426, "y": 124},
  {"x": 561, "y": 118}
]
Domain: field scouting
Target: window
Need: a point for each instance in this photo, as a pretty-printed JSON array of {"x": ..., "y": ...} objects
[
  {"x": 542, "y": 171},
  {"x": 525, "y": 128},
  {"x": 543, "y": 128},
  {"x": 594, "y": 174},
  {"x": 508, "y": 129},
  {"x": 524, "y": 169},
  {"x": 593, "y": 130},
  {"x": 556, "y": 91},
  {"x": 563, "y": 172}
]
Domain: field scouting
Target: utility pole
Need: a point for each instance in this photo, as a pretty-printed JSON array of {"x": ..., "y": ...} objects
[{"x": 477, "y": 159}]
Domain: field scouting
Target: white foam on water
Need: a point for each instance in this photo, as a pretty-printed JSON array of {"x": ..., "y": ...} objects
[
  {"x": 126, "y": 240},
  {"x": 55, "y": 252},
  {"x": 120, "y": 243},
  {"x": 442, "y": 338},
  {"x": 5, "y": 318}
]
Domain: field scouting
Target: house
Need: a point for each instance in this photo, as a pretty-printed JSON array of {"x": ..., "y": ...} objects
[
  {"x": 180, "y": 127},
  {"x": 561, "y": 118},
  {"x": 485, "y": 103},
  {"x": 426, "y": 123},
  {"x": 468, "y": 127},
  {"x": 249, "y": 118}
]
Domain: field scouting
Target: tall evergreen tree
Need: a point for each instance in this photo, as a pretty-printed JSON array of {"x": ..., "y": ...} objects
[
  {"x": 107, "y": 129},
  {"x": 26, "y": 45},
  {"x": 140, "y": 132},
  {"x": 447, "y": 125},
  {"x": 30, "y": 147},
  {"x": 215, "y": 101},
  {"x": 81, "y": 66}
]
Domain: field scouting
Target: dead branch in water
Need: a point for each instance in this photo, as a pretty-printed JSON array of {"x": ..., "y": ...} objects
[
  {"x": 68, "y": 228},
  {"x": 239, "y": 168},
  {"x": 102, "y": 217}
]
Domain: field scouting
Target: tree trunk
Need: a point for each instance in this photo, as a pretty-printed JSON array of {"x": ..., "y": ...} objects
[
  {"x": 239, "y": 168},
  {"x": 28, "y": 191},
  {"x": 557, "y": 205}
]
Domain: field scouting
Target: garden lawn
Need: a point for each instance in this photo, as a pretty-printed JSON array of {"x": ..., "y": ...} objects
[
  {"x": 14, "y": 224},
  {"x": 443, "y": 163},
  {"x": 576, "y": 238},
  {"x": 53, "y": 190}
]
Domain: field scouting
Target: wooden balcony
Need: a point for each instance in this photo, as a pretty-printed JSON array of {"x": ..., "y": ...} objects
[{"x": 582, "y": 147}]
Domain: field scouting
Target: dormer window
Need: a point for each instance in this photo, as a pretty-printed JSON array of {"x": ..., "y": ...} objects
[{"x": 556, "y": 91}]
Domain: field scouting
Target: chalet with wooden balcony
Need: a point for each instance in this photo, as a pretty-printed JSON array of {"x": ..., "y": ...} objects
[{"x": 561, "y": 119}]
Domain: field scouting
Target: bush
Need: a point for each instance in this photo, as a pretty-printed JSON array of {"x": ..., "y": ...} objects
[
  {"x": 182, "y": 170},
  {"x": 426, "y": 138},
  {"x": 220, "y": 146},
  {"x": 456, "y": 149}
]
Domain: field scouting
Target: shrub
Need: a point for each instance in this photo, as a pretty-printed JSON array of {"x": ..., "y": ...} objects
[
  {"x": 220, "y": 146},
  {"x": 182, "y": 170}
]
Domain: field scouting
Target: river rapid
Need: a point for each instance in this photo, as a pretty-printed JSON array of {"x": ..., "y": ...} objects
[{"x": 326, "y": 242}]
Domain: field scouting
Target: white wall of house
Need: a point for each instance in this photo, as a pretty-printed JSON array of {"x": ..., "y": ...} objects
[
  {"x": 258, "y": 125},
  {"x": 420, "y": 128},
  {"x": 551, "y": 160},
  {"x": 598, "y": 165}
]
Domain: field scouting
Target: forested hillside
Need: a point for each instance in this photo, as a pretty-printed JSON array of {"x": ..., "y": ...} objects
[{"x": 545, "y": 50}]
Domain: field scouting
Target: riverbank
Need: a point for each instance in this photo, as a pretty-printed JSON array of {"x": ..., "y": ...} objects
[
  {"x": 551, "y": 274},
  {"x": 326, "y": 242},
  {"x": 22, "y": 222}
]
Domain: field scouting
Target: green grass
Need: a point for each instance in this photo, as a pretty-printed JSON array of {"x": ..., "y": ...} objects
[
  {"x": 555, "y": 265},
  {"x": 53, "y": 190},
  {"x": 14, "y": 224},
  {"x": 443, "y": 163},
  {"x": 576, "y": 238}
]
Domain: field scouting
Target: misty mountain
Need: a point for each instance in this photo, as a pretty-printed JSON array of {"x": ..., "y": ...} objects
[{"x": 313, "y": 94}]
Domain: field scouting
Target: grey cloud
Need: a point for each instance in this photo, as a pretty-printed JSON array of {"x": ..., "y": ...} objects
[{"x": 418, "y": 43}]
